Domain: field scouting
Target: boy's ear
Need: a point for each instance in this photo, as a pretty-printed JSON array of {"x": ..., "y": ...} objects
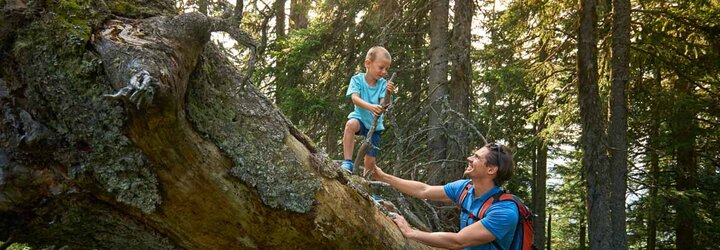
[{"x": 367, "y": 63}]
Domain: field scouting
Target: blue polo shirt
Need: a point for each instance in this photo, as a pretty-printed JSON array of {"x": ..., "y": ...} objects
[
  {"x": 370, "y": 94},
  {"x": 500, "y": 219}
]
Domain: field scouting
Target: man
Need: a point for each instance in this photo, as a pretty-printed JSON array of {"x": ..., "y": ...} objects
[{"x": 488, "y": 168}]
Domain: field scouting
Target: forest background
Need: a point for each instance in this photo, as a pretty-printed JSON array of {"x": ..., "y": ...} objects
[
  {"x": 611, "y": 107},
  {"x": 509, "y": 70}
]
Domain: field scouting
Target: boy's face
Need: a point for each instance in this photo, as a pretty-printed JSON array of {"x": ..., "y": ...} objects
[{"x": 378, "y": 68}]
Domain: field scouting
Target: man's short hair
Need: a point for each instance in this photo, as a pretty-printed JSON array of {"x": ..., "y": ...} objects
[
  {"x": 374, "y": 51},
  {"x": 501, "y": 156}
]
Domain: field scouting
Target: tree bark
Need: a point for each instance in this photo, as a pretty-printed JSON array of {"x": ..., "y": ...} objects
[
  {"x": 593, "y": 138},
  {"x": 617, "y": 130},
  {"x": 299, "y": 14},
  {"x": 183, "y": 155},
  {"x": 459, "y": 89},
  {"x": 539, "y": 191},
  {"x": 438, "y": 86},
  {"x": 540, "y": 187},
  {"x": 279, "y": 6},
  {"x": 582, "y": 233},
  {"x": 548, "y": 246},
  {"x": 331, "y": 137},
  {"x": 654, "y": 146},
  {"x": 682, "y": 128}
]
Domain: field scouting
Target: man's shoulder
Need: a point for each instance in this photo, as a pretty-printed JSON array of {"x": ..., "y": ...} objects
[
  {"x": 505, "y": 204},
  {"x": 504, "y": 208},
  {"x": 453, "y": 189},
  {"x": 457, "y": 185}
]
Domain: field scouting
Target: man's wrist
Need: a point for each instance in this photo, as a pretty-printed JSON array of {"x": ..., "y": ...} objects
[
  {"x": 381, "y": 176},
  {"x": 411, "y": 234}
]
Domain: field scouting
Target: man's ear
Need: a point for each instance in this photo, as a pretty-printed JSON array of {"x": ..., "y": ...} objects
[{"x": 492, "y": 170}]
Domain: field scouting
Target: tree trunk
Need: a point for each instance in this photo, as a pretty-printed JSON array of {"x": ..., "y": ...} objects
[
  {"x": 653, "y": 140},
  {"x": 617, "y": 130},
  {"x": 299, "y": 14},
  {"x": 331, "y": 137},
  {"x": 459, "y": 89},
  {"x": 548, "y": 245},
  {"x": 682, "y": 128},
  {"x": 438, "y": 86},
  {"x": 279, "y": 6},
  {"x": 593, "y": 139},
  {"x": 582, "y": 233},
  {"x": 182, "y": 156},
  {"x": 540, "y": 187}
]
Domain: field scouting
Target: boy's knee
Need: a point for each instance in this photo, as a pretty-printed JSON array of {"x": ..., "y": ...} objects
[{"x": 352, "y": 125}]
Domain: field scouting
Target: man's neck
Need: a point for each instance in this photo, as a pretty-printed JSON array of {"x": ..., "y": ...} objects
[
  {"x": 369, "y": 80},
  {"x": 482, "y": 186}
]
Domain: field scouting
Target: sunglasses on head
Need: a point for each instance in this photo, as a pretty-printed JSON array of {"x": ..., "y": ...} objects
[{"x": 498, "y": 147}]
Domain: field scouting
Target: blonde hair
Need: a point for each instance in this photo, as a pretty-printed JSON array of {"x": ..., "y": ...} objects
[{"x": 373, "y": 52}]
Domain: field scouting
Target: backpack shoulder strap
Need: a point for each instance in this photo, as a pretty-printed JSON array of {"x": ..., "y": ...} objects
[
  {"x": 489, "y": 202},
  {"x": 522, "y": 209},
  {"x": 464, "y": 193}
]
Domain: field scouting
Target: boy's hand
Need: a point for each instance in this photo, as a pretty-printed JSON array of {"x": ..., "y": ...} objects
[
  {"x": 391, "y": 87},
  {"x": 376, "y": 110}
]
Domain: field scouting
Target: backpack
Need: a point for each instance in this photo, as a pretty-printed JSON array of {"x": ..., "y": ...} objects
[{"x": 523, "y": 231}]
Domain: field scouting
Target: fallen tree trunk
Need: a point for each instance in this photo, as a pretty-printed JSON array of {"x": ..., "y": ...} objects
[{"x": 122, "y": 127}]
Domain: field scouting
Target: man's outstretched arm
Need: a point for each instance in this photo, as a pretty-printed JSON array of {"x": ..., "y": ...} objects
[
  {"x": 473, "y": 235},
  {"x": 413, "y": 188}
]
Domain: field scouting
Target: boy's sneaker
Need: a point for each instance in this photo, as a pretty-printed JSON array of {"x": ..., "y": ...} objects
[{"x": 347, "y": 165}]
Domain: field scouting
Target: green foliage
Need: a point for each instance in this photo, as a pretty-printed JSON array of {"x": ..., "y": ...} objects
[
  {"x": 567, "y": 202},
  {"x": 523, "y": 93},
  {"x": 141, "y": 9},
  {"x": 18, "y": 246}
]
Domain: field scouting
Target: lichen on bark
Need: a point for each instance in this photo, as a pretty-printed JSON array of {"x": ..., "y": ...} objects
[
  {"x": 251, "y": 132},
  {"x": 64, "y": 85}
]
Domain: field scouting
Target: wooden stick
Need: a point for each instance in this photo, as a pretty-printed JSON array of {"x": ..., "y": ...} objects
[{"x": 368, "y": 138}]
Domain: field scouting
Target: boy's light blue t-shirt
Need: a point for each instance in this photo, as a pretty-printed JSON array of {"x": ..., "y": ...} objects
[
  {"x": 500, "y": 219},
  {"x": 369, "y": 94}
]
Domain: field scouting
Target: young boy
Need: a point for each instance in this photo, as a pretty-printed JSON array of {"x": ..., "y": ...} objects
[{"x": 367, "y": 91}]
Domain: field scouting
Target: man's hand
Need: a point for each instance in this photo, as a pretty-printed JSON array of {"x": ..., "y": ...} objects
[
  {"x": 377, "y": 110},
  {"x": 391, "y": 87},
  {"x": 403, "y": 225},
  {"x": 378, "y": 174}
]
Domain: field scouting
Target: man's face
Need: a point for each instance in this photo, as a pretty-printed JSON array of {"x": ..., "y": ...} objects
[
  {"x": 476, "y": 164},
  {"x": 378, "y": 68}
]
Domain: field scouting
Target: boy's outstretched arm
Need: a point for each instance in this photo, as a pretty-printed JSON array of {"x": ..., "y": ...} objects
[
  {"x": 376, "y": 109},
  {"x": 413, "y": 188}
]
